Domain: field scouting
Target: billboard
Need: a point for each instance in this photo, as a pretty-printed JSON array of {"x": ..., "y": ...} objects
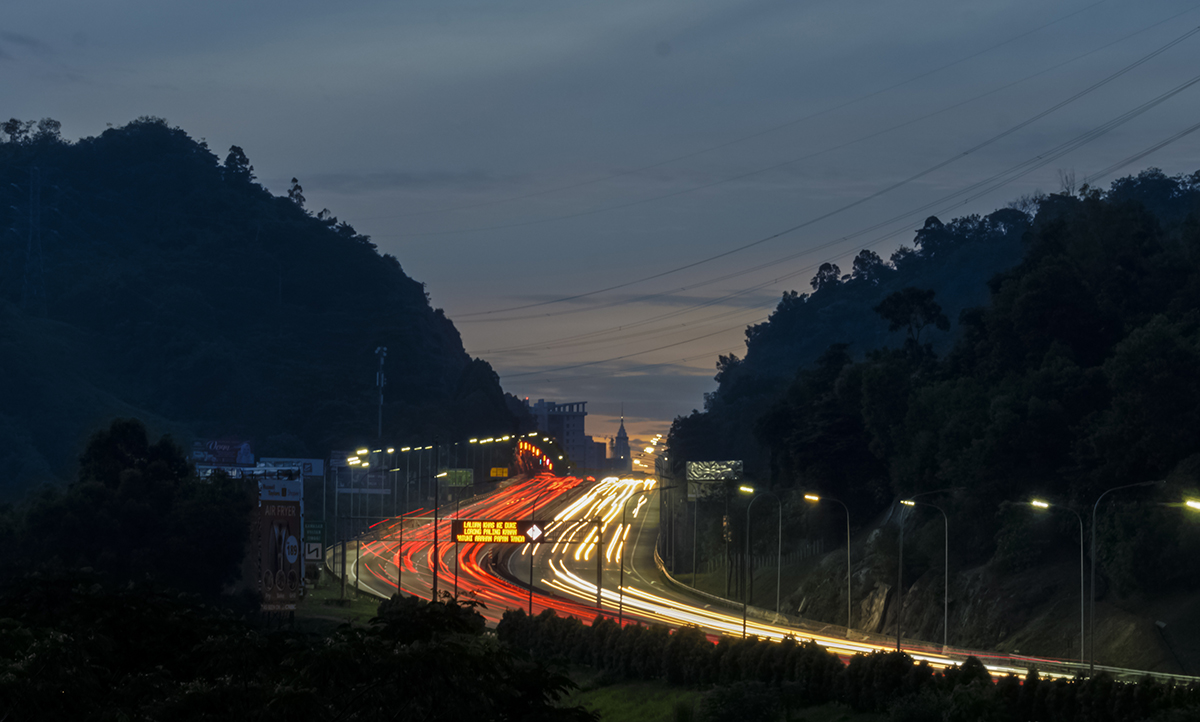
[
  {"x": 492, "y": 531},
  {"x": 280, "y": 535},
  {"x": 308, "y": 467},
  {"x": 354, "y": 479},
  {"x": 701, "y": 473},
  {"x": 499, "y": 472},
  {"x": 223, "y": 452},
  {"x": 714, "y": 470}
]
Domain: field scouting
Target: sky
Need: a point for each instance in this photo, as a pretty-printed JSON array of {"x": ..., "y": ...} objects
[{"x": 603, "y": 196}]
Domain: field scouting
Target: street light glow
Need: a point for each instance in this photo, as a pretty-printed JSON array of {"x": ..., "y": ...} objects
[
  {"x": 391, "y": 450},
  {"x": 1193, "y": 503},
  {"x": 444, "y": 473},
  {"x": 1039, "y": 504},
  {"x": 406, "y": 448},
  {"x": 474, "y": 441},
  {"x": 812, "y": 497},
  {"x": 908, "y": 502},
  {"x": 746, "y": 489}
]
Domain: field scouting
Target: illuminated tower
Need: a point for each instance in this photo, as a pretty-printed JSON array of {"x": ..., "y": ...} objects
[{"x": 619, "y": 456}]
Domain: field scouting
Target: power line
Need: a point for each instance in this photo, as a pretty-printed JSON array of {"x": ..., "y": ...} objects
[
  {"x": 1000, "y": 179},
  {"x": 752, "y": 136},
  {"x": 860, "y": 201}
]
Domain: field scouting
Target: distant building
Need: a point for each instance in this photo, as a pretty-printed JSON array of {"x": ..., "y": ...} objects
[
  {"x": 565, "y": 423},
  {"x": 619, "y": 457}
]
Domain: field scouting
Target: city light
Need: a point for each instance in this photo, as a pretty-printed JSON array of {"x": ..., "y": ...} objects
[
  {"x": 1040, "y": 504},
  {"x": 812, "y": 497},
  {"x": 746, "y": 489},
  {"x": 1193, "y": 503},
  {"x": 361, "y": 452}
]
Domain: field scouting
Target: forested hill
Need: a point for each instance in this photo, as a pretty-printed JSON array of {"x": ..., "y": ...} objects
[
  {"x": 174, "y": 287},
  {"x": 1081, "y": 373},
  {"x": 953, "y": 259}
]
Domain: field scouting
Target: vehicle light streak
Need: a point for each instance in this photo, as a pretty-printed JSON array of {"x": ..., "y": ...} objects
[{"x": 574, "y": 532}]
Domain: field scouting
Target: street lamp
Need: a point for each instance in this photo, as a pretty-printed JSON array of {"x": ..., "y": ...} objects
[
  {"x": 1039, "y": 504},
  {"x": 746, "y": 564},
  {"x": 621, "y": 560},
  {"x": 1092, "y": 610},
  {"x": 945, "y": 571},
  {"x": 532, "y": 548},
  {"x": 900, "y": 571},
  {"x": 815, "y": 498}
]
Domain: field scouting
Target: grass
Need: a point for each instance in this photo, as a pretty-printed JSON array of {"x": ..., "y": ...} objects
[
  {"x": 660, "y": 702},
  {"x": 324, "y": 606},
  {"x": 634, "y": 701}
]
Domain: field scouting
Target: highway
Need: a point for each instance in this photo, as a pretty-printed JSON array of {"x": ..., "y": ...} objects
[{"x": 591, "y": 527}]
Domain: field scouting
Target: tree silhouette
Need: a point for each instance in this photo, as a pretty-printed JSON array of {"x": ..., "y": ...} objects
[{"x": 913, "y": 309}]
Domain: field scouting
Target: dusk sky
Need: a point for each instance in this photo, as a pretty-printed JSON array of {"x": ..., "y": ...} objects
[{"x": 603, "y": 195}]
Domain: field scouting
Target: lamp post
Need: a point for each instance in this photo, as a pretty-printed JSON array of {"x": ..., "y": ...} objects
[
  {"x": 816, "y": 498},
  {"x": 532, "y": 548},
  {"x": 1039, "y": 504},
  {"x": 779, "y": 553},
  {"x": 945, "y": 570},
  {"x": 1092, "y": 606},
  {"x": 900, "y": 573},
  {"x": 437, "y": 487},
  {"x": 621, "y": 561}
]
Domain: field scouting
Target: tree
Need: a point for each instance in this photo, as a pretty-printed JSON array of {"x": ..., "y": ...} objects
[
  {"x": 913, "y": 309},
  {"x": 868, "y": 266},
  {"x": 237, "y": 166},
  {"x": 296, "y": 193},
  {"x": 828, "y": 275},
  {"x": 137, "y": 510}
]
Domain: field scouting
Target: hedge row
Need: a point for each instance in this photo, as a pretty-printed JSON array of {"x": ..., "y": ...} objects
[{"x": 805, "y": 673}]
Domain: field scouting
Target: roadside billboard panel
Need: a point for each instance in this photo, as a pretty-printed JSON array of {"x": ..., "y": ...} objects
[{"x": 702, "y": 473}]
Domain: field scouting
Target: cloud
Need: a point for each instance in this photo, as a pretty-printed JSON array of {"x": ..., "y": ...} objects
[{"x": 26, "y": 42}]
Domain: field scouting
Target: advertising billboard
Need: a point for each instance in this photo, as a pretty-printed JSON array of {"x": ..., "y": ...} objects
[
  {"x": 308, "y": 467},
  {"x": 280, "y": 536},
  {"x": 223, "y": 452},
  {"x": 702, "y": 473},
  {"x": 354, "y": 478}
]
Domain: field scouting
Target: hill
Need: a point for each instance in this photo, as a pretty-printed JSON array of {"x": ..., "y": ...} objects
[
  {"x": 172, "y": 286},
  {"x": 1079, "y": 376}
]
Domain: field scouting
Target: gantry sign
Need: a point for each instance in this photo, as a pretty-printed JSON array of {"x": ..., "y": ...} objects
[{"x": 493, "y": 531}]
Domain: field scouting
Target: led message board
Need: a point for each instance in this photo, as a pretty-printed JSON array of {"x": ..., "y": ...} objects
[{"x": 491, "y": 531}]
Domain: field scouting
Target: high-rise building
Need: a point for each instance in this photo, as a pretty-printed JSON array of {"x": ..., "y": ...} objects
[{"x": 565, "y": 423}]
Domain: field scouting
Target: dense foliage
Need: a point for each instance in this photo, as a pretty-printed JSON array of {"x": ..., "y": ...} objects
[
  {"x": 1079, "y": 375},
  {"x": 758, "y": 679},
  {"x": 72, "y": 648},
  {"x": 953, "y": 259},
  {"x": 137, "y": 511},
  {"x": 170, "y": 285}
]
